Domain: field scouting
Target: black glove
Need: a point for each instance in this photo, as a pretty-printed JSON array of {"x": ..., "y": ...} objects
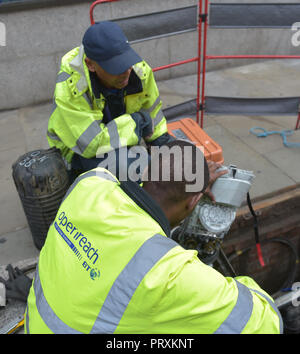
[
  {"x": 162, "y": 140},
  {"x": 18, "y": 284},
  {"x": 144, "y": 123}
]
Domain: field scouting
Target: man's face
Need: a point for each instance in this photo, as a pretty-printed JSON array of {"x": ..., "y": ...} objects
[{"x": 108, "y": 80}]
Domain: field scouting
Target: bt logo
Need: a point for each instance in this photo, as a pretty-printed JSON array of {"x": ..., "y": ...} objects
[{"x": 94, "y": 273}]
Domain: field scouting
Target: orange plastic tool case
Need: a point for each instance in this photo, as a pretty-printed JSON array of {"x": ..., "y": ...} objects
[{"x": 188, "y": 129}]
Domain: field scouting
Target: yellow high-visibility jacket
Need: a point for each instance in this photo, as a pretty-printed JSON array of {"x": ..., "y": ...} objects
[
  {"x": 108, "y": 266},
  {"x": 75, "y": 125}
]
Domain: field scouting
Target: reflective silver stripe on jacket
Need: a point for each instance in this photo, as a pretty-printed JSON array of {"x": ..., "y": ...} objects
[
  {"x": 88, "y": 99},
  {"x": 242, "y": 311},
  {"x": 63, "y": 76},
  {"x": 92, "y": 131},
  {"x": 120, "y": 293},
  {"x": 87, "y": 137},
  {"x": 158, "y": 118},
  {"x": 240, "y": 314},
  {"x": 129, "y": 279},
  {"x": 154, "y": 105},
  {"x": 53, "y": 136},
  {"x": 54, "y": 106},
  {"x": 274, "y": 307},
  {"x": 113, "y": 133},
  {"x": 55, "y": 324},
  {"x": 27, "y": 320},
  {"x": 159, "y": 115}
]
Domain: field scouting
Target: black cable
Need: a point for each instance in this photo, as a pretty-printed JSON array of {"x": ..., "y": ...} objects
[
  {"x": 256, "y": 233},
  {"x": 294, "y": 263}
]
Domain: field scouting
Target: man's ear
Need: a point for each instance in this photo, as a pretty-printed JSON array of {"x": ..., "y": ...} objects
[
  {"x": 90, "y": 65},
  {"x": 193, "y": 200}
]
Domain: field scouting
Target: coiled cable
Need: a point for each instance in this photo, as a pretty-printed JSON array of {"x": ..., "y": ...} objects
[{"x": 294, "y": 261}]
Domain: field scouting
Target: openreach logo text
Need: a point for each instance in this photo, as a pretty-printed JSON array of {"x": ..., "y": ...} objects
[
  {"x": 2, "y": 34},
  {"x": 187, "y": 166},
  {"x": 296, "y": 36}
]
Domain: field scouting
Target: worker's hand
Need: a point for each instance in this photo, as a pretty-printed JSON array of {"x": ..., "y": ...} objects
[
  {"x": 18, "y": 284},
  {"x": 151, "y": 131},
  {"x": 214, "y": 174},
  {"x": 144, "y": 124}
]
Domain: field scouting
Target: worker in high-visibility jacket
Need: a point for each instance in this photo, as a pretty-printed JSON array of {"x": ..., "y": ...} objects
[
  {"x": 110, "y": 266},
  {"x": 105, "y": 99}
]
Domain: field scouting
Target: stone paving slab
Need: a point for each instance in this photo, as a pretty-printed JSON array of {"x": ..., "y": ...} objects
[{"x": 269, "y": 177}]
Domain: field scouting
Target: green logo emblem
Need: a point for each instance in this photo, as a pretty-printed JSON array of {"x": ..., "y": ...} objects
[{"x": 94, "y": 273}]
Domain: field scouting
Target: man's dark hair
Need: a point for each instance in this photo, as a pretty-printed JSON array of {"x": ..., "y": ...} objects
[{"x": 184, "y": 157}]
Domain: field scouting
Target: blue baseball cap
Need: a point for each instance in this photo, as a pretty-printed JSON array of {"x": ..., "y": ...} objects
[{"x": 107, "y": 45}]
